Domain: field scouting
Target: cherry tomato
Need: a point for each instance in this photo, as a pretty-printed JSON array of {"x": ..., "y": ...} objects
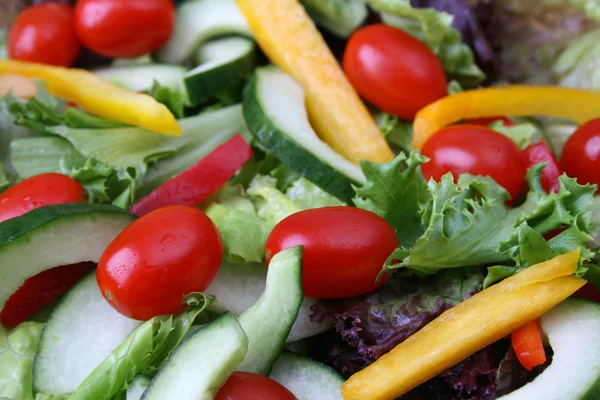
[
  {"x": 393, "y": 70},
  {"x": 38, "y": 191},
  {"x": 125, "y": 29},
  {"x": 476, "y": 150},
  {"x": 40, "y": 290},
  {"x": 581, "y": 154},
  {"x": 344, "y": 249},
  {"x": 249, "y": 386},
  {"x": 528, "y": 344},
  {"x": 44, "y": 34},
  {"x": 153, "y": 263},
  {"x": 486, "y": 121},
  {"x": 540, "y": 153}
]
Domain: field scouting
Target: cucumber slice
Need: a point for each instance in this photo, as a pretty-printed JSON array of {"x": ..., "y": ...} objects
[
  {"x": 276, "y": 114},
  {"x": 223, "y": 64},
  {"x": 138, "y": 78},
  {"x": 307, "y": 379},
  {"x": 56, "y": 235},
  {"x": 81, "y": 332},
  {"x": 137, "y": 387},
  {"x": 198, "y": 21},
  {"x": 201, "y": 364},
  {"x": 237, "y": 287},
  {"x": 573, "y": 330},
  {"x": 268, "y": 322},
  {"x": 340, "y": 17}
]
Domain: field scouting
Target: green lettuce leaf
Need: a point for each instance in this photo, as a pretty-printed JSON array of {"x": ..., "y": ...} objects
[
  {"x": 468, "y": 223},
  {"x": 397, "y": 132},
  {"x": 172, "y": 98},
  {"x": 577, "y": 66},
  {"x": 243, "y": 234},
  {"x": 341, "y": 17},
  {"x": 143, "y": 351},
  {"x": 435, "y": 29},
  {"x": 271, "y": 204},
  {"x": 17, "y": 349},
  {"x": 395, "y": 191},
  {"x": 307, "y": 195},
  {"x": 115, "y": 163},
  {"x": 522, "y": 134}
]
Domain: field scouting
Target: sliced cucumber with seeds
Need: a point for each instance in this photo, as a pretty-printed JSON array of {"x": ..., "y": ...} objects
[
  {"x": 237, "y": 287},
  {"x": 223, "y": 64},
  {"x": 275, "y": 113},
  {"x": 138, "y": 78},
  {"x": 199, "y": 21},
  {"x": 268, "y": 322},
  {"x": 201, "y": 364},
  {"x": 136, "y": 389},
  {"x": 52, "y": 236},
  {"x": 306, "y": 378},
  {"x": 81, "y": 332}
]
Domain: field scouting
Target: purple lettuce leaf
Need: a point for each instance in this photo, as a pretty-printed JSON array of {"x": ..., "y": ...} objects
[{"x": 375, "y": 323}]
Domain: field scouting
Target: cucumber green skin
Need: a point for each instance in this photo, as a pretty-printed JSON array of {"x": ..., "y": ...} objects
[
  {"x": 269, "y": 321},
  {"x": 28, "y": 230},
  {"x": 290, "y": 152},
  {"x": 178, "y": 371},
  {"x": 202, "y": 86}
]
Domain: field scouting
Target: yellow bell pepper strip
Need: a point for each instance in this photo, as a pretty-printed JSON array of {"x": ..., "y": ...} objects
[
  {"x": 99, "y": 97},
  {"x": 288, "y": 36},
  {"x": 463, "y": 330},
  {"x": 18, "y": 85},
  {"x": 576, "y": 104}
]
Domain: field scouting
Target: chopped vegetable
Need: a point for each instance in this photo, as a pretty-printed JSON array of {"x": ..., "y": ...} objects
[
  {"x": 285, "y": 32},
  {"x": 528, "y": 344},
  {"x": 198, "y": 182},
  {"x": 450, "y": 338},
  {"x": 541, "y": 153},
  {"x": 99, "y": 97},
  {"x": 576, "y": 104}
]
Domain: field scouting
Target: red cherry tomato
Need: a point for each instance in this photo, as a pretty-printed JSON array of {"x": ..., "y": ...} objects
[
  {"x": 540, "y": 153},
  {"x": 125, "y": 29},
  {"x": 476, "y": 150},
  {"x": 249, "y": 386},
  {"x": 40, "y": 290},
  {"x": 38, "y": 191},
  {"x": 344, "y": 249},
  {"x": 44, "y": 34},
  {"x": 393, "y": 70},
  {"x": 157, "y": 260},
  {"x": 489, "y": 120},
  {"x": 581, "y": 154}
]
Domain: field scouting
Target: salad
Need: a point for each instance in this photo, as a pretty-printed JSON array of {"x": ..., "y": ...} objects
[{"x": 299, "y": 200}]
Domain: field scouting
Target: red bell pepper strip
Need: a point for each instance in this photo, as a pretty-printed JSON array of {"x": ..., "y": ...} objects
[
  {"x": 40, "y": 290},
  {"x": 528, "y": 344},
  {"x": 541, "y": 153},
  {"x": 199, "y": 181}
]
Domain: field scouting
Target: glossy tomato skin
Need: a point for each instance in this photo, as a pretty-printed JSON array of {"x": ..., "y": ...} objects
[
  {"x": 153, "y": 263},
  {"x": 124, "y": 29},
  {"x": 476, "y": 150},
  {"x": 344, "y": 249},
  {"x": 249, "y": 386},
  {"x": 581, "y": 155},
  {"x": 38, "y": 191},
  {"x": 44, "y": 34},
  {"x": 393, "y": 70}
]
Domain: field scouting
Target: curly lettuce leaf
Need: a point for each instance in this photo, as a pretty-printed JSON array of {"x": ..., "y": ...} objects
[
  {"x": 17, "y": 349},
  {"x": 397, "y": 132},
  {"x": 373, "y": 324},
  {"x": 395, "y": 191},
  {"x": 172, "y": 98},
  {"x": 271, "y": 204},
  {"x": 522, "y": 134},
  {"x": 143, "y": 351},
  {"x": 307, "y": 195},
  {"x": 435, "y": 29},
  {"x": 469, "y": 224}
]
